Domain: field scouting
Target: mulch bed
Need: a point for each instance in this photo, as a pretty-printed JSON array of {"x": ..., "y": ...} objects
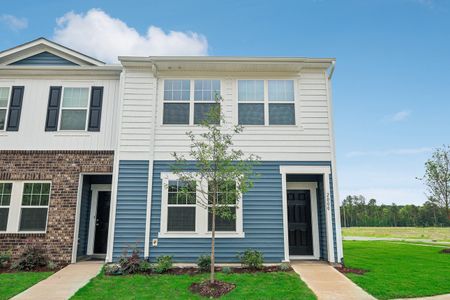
[
  {"x": 211, "y": 290},
  {"x": 346, "y": 270},
  {"x": 445, "y": 251},
  {"x": 7, "y": 269}
]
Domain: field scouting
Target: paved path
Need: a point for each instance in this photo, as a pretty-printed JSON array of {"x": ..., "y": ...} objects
[
  {"x": 328, "y": 283},
  {"x": 368, "y": 238},
  {"x": 64, "y": 283}
]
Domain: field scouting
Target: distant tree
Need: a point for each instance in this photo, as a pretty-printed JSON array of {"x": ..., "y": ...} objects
[{"x": 437, "y": 178}]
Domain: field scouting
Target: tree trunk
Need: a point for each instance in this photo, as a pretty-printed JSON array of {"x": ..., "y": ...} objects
[{"x": 213, "y": 237}]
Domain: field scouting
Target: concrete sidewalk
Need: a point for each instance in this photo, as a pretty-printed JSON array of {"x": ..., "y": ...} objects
[
  {"x": 64, "y": 283},
  {"x": 328, "y": 283}
]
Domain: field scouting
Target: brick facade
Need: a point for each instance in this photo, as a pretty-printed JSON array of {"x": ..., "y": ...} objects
[{"x": 63, "y": 169}]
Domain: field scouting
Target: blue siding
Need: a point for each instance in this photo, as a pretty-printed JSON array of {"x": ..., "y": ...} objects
[
  {"x": 333, "y": 219},
  {"x": 45, "y": 58},
  {"x": 85, "y": 211},
  {"x": 262, "y": 217},
  {"x": 132, "y": 189},
  {"x": 322, "y": 222}
]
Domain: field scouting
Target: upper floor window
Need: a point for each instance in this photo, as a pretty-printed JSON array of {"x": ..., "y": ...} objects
[
  {"x": 74, "y": 109},
  {"x": 266, "y": 102},
  {"x": 4, "y": 96},
  {"x": 184, "y": 105}
]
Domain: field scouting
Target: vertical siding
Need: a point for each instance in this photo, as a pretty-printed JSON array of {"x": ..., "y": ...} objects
[
  {"x": 333, "y": 218},
  {"x": 45, "y": 58},
  {"x": 85, "y": 211},
  {"x": 262, "y": 219},
  {"x": 131, "y": 206},
  {"x": 322, "y": 221}
]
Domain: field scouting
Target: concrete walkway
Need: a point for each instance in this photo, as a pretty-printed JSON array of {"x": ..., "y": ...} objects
[
  {"x": 64, "y": 283},
  {"x": 328, "y": 283}
]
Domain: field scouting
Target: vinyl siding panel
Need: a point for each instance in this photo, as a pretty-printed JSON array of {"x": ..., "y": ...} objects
[
  {"x": 262, "y": 219},
  {"x": 131, "y": 206},
  {"x": 44, "y": 59}
]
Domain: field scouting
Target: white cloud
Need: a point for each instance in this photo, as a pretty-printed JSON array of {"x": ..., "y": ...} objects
[
  {"x": 104, "y": 37},
  {"x": 390, "y": 152},
  {"x": 13, "y": 22},
  {"x": 398, "y": 116},
  {"x": 399, "y": 196}
]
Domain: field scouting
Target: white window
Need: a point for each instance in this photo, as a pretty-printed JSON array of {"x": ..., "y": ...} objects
[
  {"x": 24, "y": 206},
  {"x": 184, "y": 213},
  {"x": 74, "y": 108},
  {"x": 266, "y": 102},
  {"x": 184, "y": 105},
  {"x": 226, "y": 197},
  {"x": 5, "y": 200},
  {"x": 4, "y": 99}
]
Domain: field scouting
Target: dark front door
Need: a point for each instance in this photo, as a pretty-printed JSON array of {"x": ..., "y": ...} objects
[
  {"x": 102, "y": 222},
  {"x": 299, "y": 222}
]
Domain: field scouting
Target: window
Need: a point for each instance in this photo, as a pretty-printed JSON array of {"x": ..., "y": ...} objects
[
  {"x": 181, "y": 106},
  {"x": 181, "y": 206},
  {"x": 34, "y": 208},
  {"x": 5, "y": 200},
  {"x": 274, "y": 107},
  {"x": 186, "y": 213},
  {"x": 227, "y": 198},
  {"x": 4, "y": 96},
  {"x": 74, "y": 108}
]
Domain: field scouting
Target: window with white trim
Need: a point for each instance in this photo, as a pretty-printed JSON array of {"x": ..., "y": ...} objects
[
  {"x": 4, "y": 97},
  {"x": 24, "y": 206},
  {"x": 266, "y": 102},
  {"x": 184, "y": 105},
  {"x": 74, "y": 108},
  {"x": 185, "y": 213},
  {"x": 5, "y": 200},
  {"x": 226, "y": 197},
  {"x": 34, "y": 211}
]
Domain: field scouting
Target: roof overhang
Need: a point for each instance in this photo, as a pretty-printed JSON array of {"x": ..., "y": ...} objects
[{"x": 106, "y": 71}]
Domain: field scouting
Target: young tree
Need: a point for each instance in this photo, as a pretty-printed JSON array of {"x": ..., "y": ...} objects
[
  {"x": 223, "y": 172},
  {"x": 437, "y": 178}
]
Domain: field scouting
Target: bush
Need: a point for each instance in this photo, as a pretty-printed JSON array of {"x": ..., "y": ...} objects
[
  {"x": 52, "y": 265},
  {"x": 284, "y": 267},
  {"x": 113, "y": 270},
  {"x": 163, "y": 264},
  {"x": 130, "y": 264},
  {"x": 5, "y": 258},
  {"x": 252, "y": 259},
  {"x": 32, "y": 257},
  {"x": 226, "y": 270},
  {"x": 145, "y": 266},
  {"x": 204, "y": 262}
]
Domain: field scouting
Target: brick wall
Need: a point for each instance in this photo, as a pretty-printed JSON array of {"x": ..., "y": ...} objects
[{"x": 63, "y": 169}]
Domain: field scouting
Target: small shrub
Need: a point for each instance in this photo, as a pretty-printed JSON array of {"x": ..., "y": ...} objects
[
  {"x": 52, "y": 265},
  {"x": 5, "y": 258},
  {"x": 284, "y": 267},
  {"x": 130, "y": 264},
  {"x": 113, "y": 269},
  {"x": 32, "y": 257},
  {"x": 226, "y": 270},
  {"x": 145, "y": 266},
  {"x": 163, "y": 264},
  {"x": 252, "y": 259},
  {"x": 204, "y": 262}
]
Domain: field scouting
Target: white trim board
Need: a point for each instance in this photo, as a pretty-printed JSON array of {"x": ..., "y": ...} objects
[{"x": 95, "y": 188}]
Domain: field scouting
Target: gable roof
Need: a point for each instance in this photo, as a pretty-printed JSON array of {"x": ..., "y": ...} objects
[{"x": 42, "y": 47}]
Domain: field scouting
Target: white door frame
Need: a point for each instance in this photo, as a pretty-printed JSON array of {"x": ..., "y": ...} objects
[
  {"x": 325, "y": 171},
  {"x": 312, "y": 188},
  {"x": 95, "y": 188}
]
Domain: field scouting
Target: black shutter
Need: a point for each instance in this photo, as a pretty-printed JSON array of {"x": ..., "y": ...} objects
[
  {"x": 54, "y": 99},
  {"x": 95, "y": 111},
  {"x": 15, "y": 108}
]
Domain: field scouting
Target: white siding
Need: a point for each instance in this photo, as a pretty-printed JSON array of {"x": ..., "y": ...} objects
[
  {"x": 309, "y": 139},
  {"x": 32, "y": 134},
  {"x": 137, "y": 114}
]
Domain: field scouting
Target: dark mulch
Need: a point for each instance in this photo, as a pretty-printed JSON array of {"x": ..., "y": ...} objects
[
  {"x": 7, "y": 269},
  {"x": 445, "y": 251},
  {"x": 345, "y": 270},
  {"x": 214, "y": 290}
]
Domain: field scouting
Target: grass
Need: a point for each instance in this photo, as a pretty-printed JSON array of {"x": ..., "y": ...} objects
[
  {"x": 398, "y": 270},
  {"x": 277, "y": 285},
  {"x": 431, "y": 233},
  {"x": 12, "y": 284}
]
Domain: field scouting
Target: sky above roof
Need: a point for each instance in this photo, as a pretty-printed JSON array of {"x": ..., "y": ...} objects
[{"x": 391, "y": 84}]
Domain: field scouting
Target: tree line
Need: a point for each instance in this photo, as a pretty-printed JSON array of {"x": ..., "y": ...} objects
[{"x": 357, "y": 211}]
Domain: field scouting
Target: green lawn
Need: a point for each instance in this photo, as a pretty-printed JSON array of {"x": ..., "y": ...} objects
[
  {"x": 12, "y": 284},
  {"x": 398, "y": 270},
  {"x": 279, "y": 285},
  {"x": 432, "y": 233}
]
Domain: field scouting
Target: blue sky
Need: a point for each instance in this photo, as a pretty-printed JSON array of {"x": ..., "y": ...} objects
[{"x": 391, "y": 85}]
